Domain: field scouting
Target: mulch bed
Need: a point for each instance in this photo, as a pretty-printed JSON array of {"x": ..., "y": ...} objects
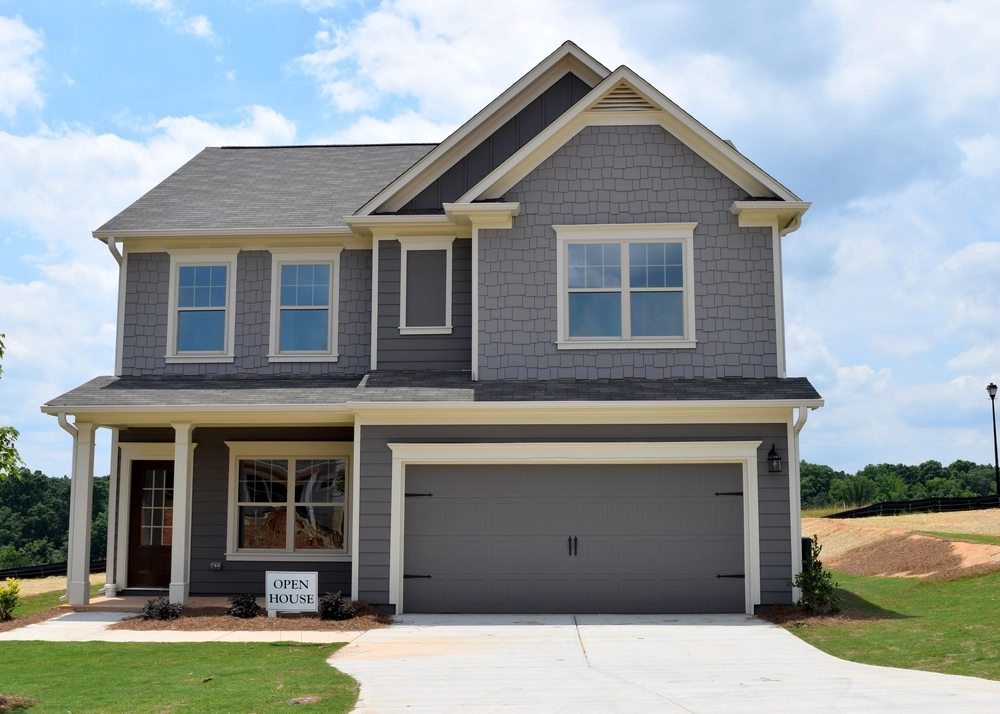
[
  {"x": 792, "y": 616},
  {"x": 215, "y": 618},
  {"x": 22, "y": 620}
]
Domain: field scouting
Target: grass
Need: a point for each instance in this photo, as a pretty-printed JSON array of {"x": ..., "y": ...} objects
[
  {"x": 824, "y": 511},
  {"x": 966, "y": 537},
  {"x": 31, "y": 604},
  {"x": 104, "y": 677},
  {"x": 945, "y": 626}
]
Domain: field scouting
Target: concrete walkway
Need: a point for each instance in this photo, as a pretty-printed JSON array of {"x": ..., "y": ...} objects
[
  {"x": 92, "y": 627},
  {"x": 607, "y": 664}
]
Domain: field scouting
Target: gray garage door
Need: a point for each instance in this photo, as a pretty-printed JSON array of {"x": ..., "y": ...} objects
[{"x": 583, "y": 539}]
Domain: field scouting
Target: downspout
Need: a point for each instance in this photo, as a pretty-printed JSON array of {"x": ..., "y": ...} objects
[
  {"x": 795, "y": 496},
  {"x": 110, "y": 241},
  {"x": 75, "y": 433}
]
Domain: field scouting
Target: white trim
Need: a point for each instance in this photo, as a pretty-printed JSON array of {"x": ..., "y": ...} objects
[
  {"x": 120, "y": 319},
  {"x": 567, "y": 57},
  {"x": 81, "y": 515},
  {"x": 779, "y": 299},
  {"x": 624, "y": 234},
  {"x": 374, "y": 301},
  {"x": 474, "y": 362},
  {"x": 330, "y": 231},
  {"x": 671, "y": 117},
  {"x": 741, "y": 452},
  {"x": 285, "y": 450},
  {"x": 195, "y": 257},
  {"x": 113, "y": 486},
  {"x": 133, "y": 451},
  {"x": 406, "y": 244},
  {"x": 355, "y": 546},
  {"x": 328, "y": 256},
  {"x": 795, "y": 493},
  {"x": 180, "y": 549},
  {"x": 787, "y": 214}
]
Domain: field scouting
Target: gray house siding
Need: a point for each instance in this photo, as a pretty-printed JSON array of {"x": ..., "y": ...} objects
[
  {"x": 210, "y": 510},
  {"x": 626, "y": 174},
  {"x": 396, "y": 351},
  {"x": 144, "y": 340},
  {"x": 376, "y": 486}
]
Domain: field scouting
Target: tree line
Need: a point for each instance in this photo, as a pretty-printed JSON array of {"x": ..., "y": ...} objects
[
  {"x": 34, "y": 519},
  {"x": 822, "y": 486}
]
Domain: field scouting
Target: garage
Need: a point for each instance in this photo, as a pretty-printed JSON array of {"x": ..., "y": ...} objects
[{"x": 573, "y": 538}]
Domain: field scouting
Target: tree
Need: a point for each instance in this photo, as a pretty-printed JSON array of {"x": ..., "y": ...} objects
[{"x": 10, "y": 460}]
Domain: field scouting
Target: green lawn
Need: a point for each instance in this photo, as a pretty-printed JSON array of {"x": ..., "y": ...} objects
[
  {"x": 189, "y": 677},
  {"x": 944, "y": 626},
  {"x": 44, "y": 601},
  {"x": 966, "y": 537}
]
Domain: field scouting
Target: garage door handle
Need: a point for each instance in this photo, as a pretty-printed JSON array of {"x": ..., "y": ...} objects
[
  {"x": 574, "y": 546},
  {"x": 569, "y": 541},
  {"x": 741, "y": 575}
]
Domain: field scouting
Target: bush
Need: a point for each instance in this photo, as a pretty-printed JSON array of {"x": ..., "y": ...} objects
[
  {"x": 244, "y": 607},
  {"x": 817, "y": 585},
  {"x": 333, "y": 607},
  {"x": 161, "y": 608},
  {"x": 9, "y": 597}
]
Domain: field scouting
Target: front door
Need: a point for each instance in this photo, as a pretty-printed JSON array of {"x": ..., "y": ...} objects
[{"x": 151, "y": 524}]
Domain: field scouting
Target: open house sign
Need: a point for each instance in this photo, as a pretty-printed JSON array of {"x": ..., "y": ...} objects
[{"x": 291, "y": 592}]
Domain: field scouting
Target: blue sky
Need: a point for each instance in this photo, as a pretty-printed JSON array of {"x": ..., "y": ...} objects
[{"x": 882, "y": 114}]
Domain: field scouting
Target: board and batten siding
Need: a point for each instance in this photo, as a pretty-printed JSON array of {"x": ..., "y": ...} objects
[
  {"x": 396, "y": 351},
  {"x": 376, "y": 485},
  {"x": 210, "y": 510},
  {"x": 626, "y": 175},
  {"x": 144, "y": 332}
]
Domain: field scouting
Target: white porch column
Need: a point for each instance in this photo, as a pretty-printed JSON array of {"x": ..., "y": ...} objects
[
  {"x": 180, "y": 551},
  {"x": 81, "y": 496}
]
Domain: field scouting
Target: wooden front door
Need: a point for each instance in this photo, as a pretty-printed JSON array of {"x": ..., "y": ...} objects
[{"x": 151, "y": 522}]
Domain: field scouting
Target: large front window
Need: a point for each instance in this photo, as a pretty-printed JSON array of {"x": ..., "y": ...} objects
[
  {"x": 288, "y": 501},
  {"x": 626, "y": 286}
]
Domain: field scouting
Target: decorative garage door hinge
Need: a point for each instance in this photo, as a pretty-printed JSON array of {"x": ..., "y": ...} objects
[
  {"x": 418, "y": 495},
  {"x": 740, "y": 575},
  {"x": 426, "y": 577},
  {"x": 724, "y": 493}
]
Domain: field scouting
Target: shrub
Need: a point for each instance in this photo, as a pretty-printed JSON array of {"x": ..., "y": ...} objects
[
  {"x": 817, "y": 585},
  {"x": 9, "y": 597},
  {"x": 244, "y": 607},
  {"x": 161, "y": 608},
  {"x": 333, "y": 607}
]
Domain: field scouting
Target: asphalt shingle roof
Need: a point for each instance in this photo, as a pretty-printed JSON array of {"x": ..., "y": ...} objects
[
  {"x": 268, "y": 187},
  {"x": 228, "y": 391}
]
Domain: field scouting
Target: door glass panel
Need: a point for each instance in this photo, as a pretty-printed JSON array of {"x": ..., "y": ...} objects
[
  {"x": 262, "y": 526},
  {"x": 156, "y": 512}
]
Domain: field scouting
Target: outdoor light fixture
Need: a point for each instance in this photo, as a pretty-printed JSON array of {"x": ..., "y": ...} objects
[
  {"x": 773, "y": 461},
  {"x": 992, "y": 390}
]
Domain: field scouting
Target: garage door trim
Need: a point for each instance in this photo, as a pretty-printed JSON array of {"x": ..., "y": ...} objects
[{"x": 507, "y": 453}]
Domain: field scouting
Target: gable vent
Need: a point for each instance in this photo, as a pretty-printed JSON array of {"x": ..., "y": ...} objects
[{"x": 623, "y": 99}]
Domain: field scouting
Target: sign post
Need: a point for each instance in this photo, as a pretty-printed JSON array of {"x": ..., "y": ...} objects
[{"x": 291, "y": 592}]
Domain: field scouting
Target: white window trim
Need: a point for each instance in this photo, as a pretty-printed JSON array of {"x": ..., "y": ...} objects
[
  {"x": 188, "y": 257},
  {"x": 624, "y": 234},
  {"x": 330, "y": 256},
  {"x": 408, "y": 244},
  {"x": 287, "y": 450},
  {"x": 744, "y": 453}
]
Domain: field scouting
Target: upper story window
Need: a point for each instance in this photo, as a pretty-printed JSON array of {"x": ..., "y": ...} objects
[
  {"x": 201, "y": 321},
  {"x": 305, "y": 295},
  {"x": 425, "y": 286},
  {"x": 625, "y": 286}
]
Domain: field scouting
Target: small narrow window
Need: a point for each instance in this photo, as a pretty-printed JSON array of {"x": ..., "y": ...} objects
[
  {"x": 304, "y": 302},
  {"x": 425, "y": 287}
]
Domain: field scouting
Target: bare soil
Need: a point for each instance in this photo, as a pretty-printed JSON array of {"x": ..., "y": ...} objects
[
  {"x": 215, "y": 618},
  {"x": 14, "y": 704},
  {"x": 36, "y": 586},
  {"x": 885, "y": 545}
]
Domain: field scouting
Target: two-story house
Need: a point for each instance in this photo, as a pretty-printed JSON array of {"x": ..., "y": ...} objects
[{"x": 538, "y": 367}]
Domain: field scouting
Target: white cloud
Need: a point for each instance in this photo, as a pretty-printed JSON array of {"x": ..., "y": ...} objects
[
  {"x": 174, "y": 17},
  {"x": 982, "y": 155},
  {"x": 58, "y": 299},
  {"x": 408, "y": 127},
  {"x": 19, "y": 66}
]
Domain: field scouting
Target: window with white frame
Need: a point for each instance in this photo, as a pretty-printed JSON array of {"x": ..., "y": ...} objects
[
  {"x": 425, "y": 286},
  {"x": 625, "y": 285},
  {"x": 201, "y": 321},
  {"x": 288, "y": 501},
  {"x": 305, "y": 290}
]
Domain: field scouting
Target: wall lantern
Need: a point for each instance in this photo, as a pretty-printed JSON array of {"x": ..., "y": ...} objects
[{"x": 773, "y": 461}]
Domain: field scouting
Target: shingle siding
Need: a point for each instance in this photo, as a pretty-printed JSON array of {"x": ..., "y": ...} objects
[
  {"x": 147, "y": 305},
  {"x": 376, "y": 485},
  {"x": 626, "y": 174}
]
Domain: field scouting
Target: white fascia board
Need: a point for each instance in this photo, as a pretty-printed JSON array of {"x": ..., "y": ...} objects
[
  {"x": 671, "y": 117},
  {"x": 568, "y": 57},
  {"x": 787, "y": 214},
  {"x": 483, "y": 215},
  {"x": 224, "y": 232},
  {"x": 392, "y": 226}
]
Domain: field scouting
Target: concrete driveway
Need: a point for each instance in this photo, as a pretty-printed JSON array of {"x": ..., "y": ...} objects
[{"x": 645, "y": 663}]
